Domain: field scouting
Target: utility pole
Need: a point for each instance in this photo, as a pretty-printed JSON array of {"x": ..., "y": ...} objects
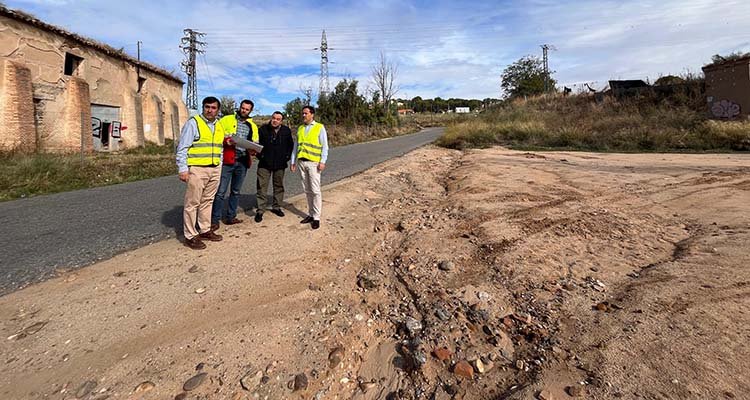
[
  {"x": 138, "y": 66},
  {"x": 191, "y": 46},
  {"x": 324, "y": 86},
  {"x": 545, "y": 61}
]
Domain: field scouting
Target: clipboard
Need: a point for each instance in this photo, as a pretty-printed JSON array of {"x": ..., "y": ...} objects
[{"x": 246, "y": 144}]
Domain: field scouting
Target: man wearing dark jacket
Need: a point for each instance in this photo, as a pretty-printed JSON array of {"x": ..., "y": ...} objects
[{"x": 277, "y": 143}]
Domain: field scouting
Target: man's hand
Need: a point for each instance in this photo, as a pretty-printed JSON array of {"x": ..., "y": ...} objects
[
  {"x": 184, "y": 176},
  {"x": 321, "y": 167},
  {"x": 293, "y": 167}
]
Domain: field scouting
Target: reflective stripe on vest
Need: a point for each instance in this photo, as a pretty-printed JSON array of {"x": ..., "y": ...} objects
[
  {"x": 206, "y": 151},
  {"x": 308, "y": 145},
  {"x": 229, "y": 123}
]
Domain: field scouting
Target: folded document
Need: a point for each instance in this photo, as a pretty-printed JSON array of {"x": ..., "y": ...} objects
[{"x": 246, "y": 144}]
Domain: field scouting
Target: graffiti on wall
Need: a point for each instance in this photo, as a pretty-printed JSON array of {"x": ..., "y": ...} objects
[
  {"x": 114, "y": 128},
  {"x": 96, "y": 126},
  {"x": 725, "y": 109}
]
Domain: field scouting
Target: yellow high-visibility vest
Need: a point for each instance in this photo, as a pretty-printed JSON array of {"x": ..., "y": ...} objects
[
  {"x": 206, "y": 151},
  {"x": 308, "y": 145},
  {"x": 229, "y": 123}
]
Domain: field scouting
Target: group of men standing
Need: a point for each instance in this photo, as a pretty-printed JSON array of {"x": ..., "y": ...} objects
[{"x": 212, "y": 164}]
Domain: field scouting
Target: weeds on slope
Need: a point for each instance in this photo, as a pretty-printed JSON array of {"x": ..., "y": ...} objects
[{"x": 582, "y": 123}]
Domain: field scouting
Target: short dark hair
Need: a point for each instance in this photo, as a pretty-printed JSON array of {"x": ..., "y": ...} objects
[
  {"x": 211, "y": 100},
  {"x": 278, "y": 112},
  {"x": 310, "y": 108},
  {"x": 246, "y": 101}
]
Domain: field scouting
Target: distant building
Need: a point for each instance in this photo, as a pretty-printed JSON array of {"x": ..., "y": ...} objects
[
  {"x": 728, "y": 89},
  {"x": 462, "y": 110},
  {"x": 62, "y": 92},
  {"x": 628, "y": 88},
  {"x": 405, "y": 111}
]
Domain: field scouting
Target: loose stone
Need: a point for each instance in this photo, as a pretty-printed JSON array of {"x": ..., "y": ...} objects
[
  {"x": 574, "y": 390},
  {"x": 194, "y": 382},
  {"x": 251, "y": 380},
  {"x": 300, "y": 382},
  {"x": 463, "y": 369},
  {"x": 144, "y": 387},
  {"x": 85, "y": 389},
  {"x": 335, "y": 357},
  {"x": 446, "y": 265}
]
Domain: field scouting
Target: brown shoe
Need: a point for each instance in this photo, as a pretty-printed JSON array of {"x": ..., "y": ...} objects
[
  {"x": 210, "y": 235},
  {"x": 215, "y": 227},
  {"x": 233, "y": 221},
  {"x": 195, "y": 243}
]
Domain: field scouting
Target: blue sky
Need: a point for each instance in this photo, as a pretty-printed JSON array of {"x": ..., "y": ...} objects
[{"x": 265, "y": 50}]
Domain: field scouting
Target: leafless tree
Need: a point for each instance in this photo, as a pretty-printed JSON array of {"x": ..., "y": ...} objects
[
  {"x": 383, "y": 78},
  {"x": 228, "y": 105}
]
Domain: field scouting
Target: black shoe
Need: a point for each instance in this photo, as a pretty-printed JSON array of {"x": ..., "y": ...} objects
[
  {"x": 258, "y": 217},
  {"x": 278, "y": 212},
  {"x": 212, "y": 236},
  {"x": 195, "y": 243},
  {"x": 307, "y": 220},
  {"x": 315, "y": 224}
]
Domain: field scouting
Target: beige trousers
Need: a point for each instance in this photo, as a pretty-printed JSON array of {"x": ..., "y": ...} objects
[
  {"x": 199, "y": 198},
  {"x": 311, "y": 184}
]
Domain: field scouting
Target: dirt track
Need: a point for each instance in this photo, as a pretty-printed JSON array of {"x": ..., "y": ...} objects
[{"x": 601, "y": 275}]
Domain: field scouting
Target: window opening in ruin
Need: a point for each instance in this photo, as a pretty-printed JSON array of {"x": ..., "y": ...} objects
[
  {"x": 141, "y": 82},
  {"x": 72, "y": 62}
]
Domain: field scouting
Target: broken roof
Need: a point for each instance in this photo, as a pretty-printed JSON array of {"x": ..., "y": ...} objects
[
  {"x": 730, "y": 62},
  {"x": 104, "y": 48}
]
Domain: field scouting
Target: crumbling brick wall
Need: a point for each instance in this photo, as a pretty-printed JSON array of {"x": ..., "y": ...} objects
[{"x": 17, "y": 127}]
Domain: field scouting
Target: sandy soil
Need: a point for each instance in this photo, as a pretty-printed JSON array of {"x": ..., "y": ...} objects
[{"x": 478, "y": 275}]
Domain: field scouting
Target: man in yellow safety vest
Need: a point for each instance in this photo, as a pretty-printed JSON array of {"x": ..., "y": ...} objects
[
  {"x": 235, "y": 163},
  {"x": 310, "y": 154},
  {"x": 199, "y": 154}
]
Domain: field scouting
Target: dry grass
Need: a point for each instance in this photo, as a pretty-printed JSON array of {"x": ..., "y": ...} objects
[
  {"x": 677, "y": 123},
  {"x": 24, "y": 175}
]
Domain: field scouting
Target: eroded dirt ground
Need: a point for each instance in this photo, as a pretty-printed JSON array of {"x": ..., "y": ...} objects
[{"x": 485, "y": 274}]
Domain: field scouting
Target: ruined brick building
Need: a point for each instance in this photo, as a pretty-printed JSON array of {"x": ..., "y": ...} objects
[
  {"x": 728, "y": 88},
  {"x": 61, "y": 92}
]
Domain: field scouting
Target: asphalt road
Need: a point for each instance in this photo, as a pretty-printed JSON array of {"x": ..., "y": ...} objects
[{"x": 43, "y": 234}]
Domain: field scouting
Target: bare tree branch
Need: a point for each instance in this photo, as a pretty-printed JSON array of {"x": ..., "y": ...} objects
[{"x": 383, "y": 76}]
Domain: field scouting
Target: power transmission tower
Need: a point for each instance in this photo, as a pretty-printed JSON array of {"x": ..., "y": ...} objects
[
  {"x": 324, "y": 86},
  {"x": 191, "y": 46},
  {"x": 545, "y": 61}
]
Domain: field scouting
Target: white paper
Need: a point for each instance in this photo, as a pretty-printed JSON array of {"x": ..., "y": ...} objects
[{"x": 246, "y": 144}]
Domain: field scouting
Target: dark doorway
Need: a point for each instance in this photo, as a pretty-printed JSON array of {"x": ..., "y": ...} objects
[{"x": 105, "y": 134}]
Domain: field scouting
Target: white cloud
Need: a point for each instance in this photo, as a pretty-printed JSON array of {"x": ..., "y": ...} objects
[{"x": 443, "y": 48}]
